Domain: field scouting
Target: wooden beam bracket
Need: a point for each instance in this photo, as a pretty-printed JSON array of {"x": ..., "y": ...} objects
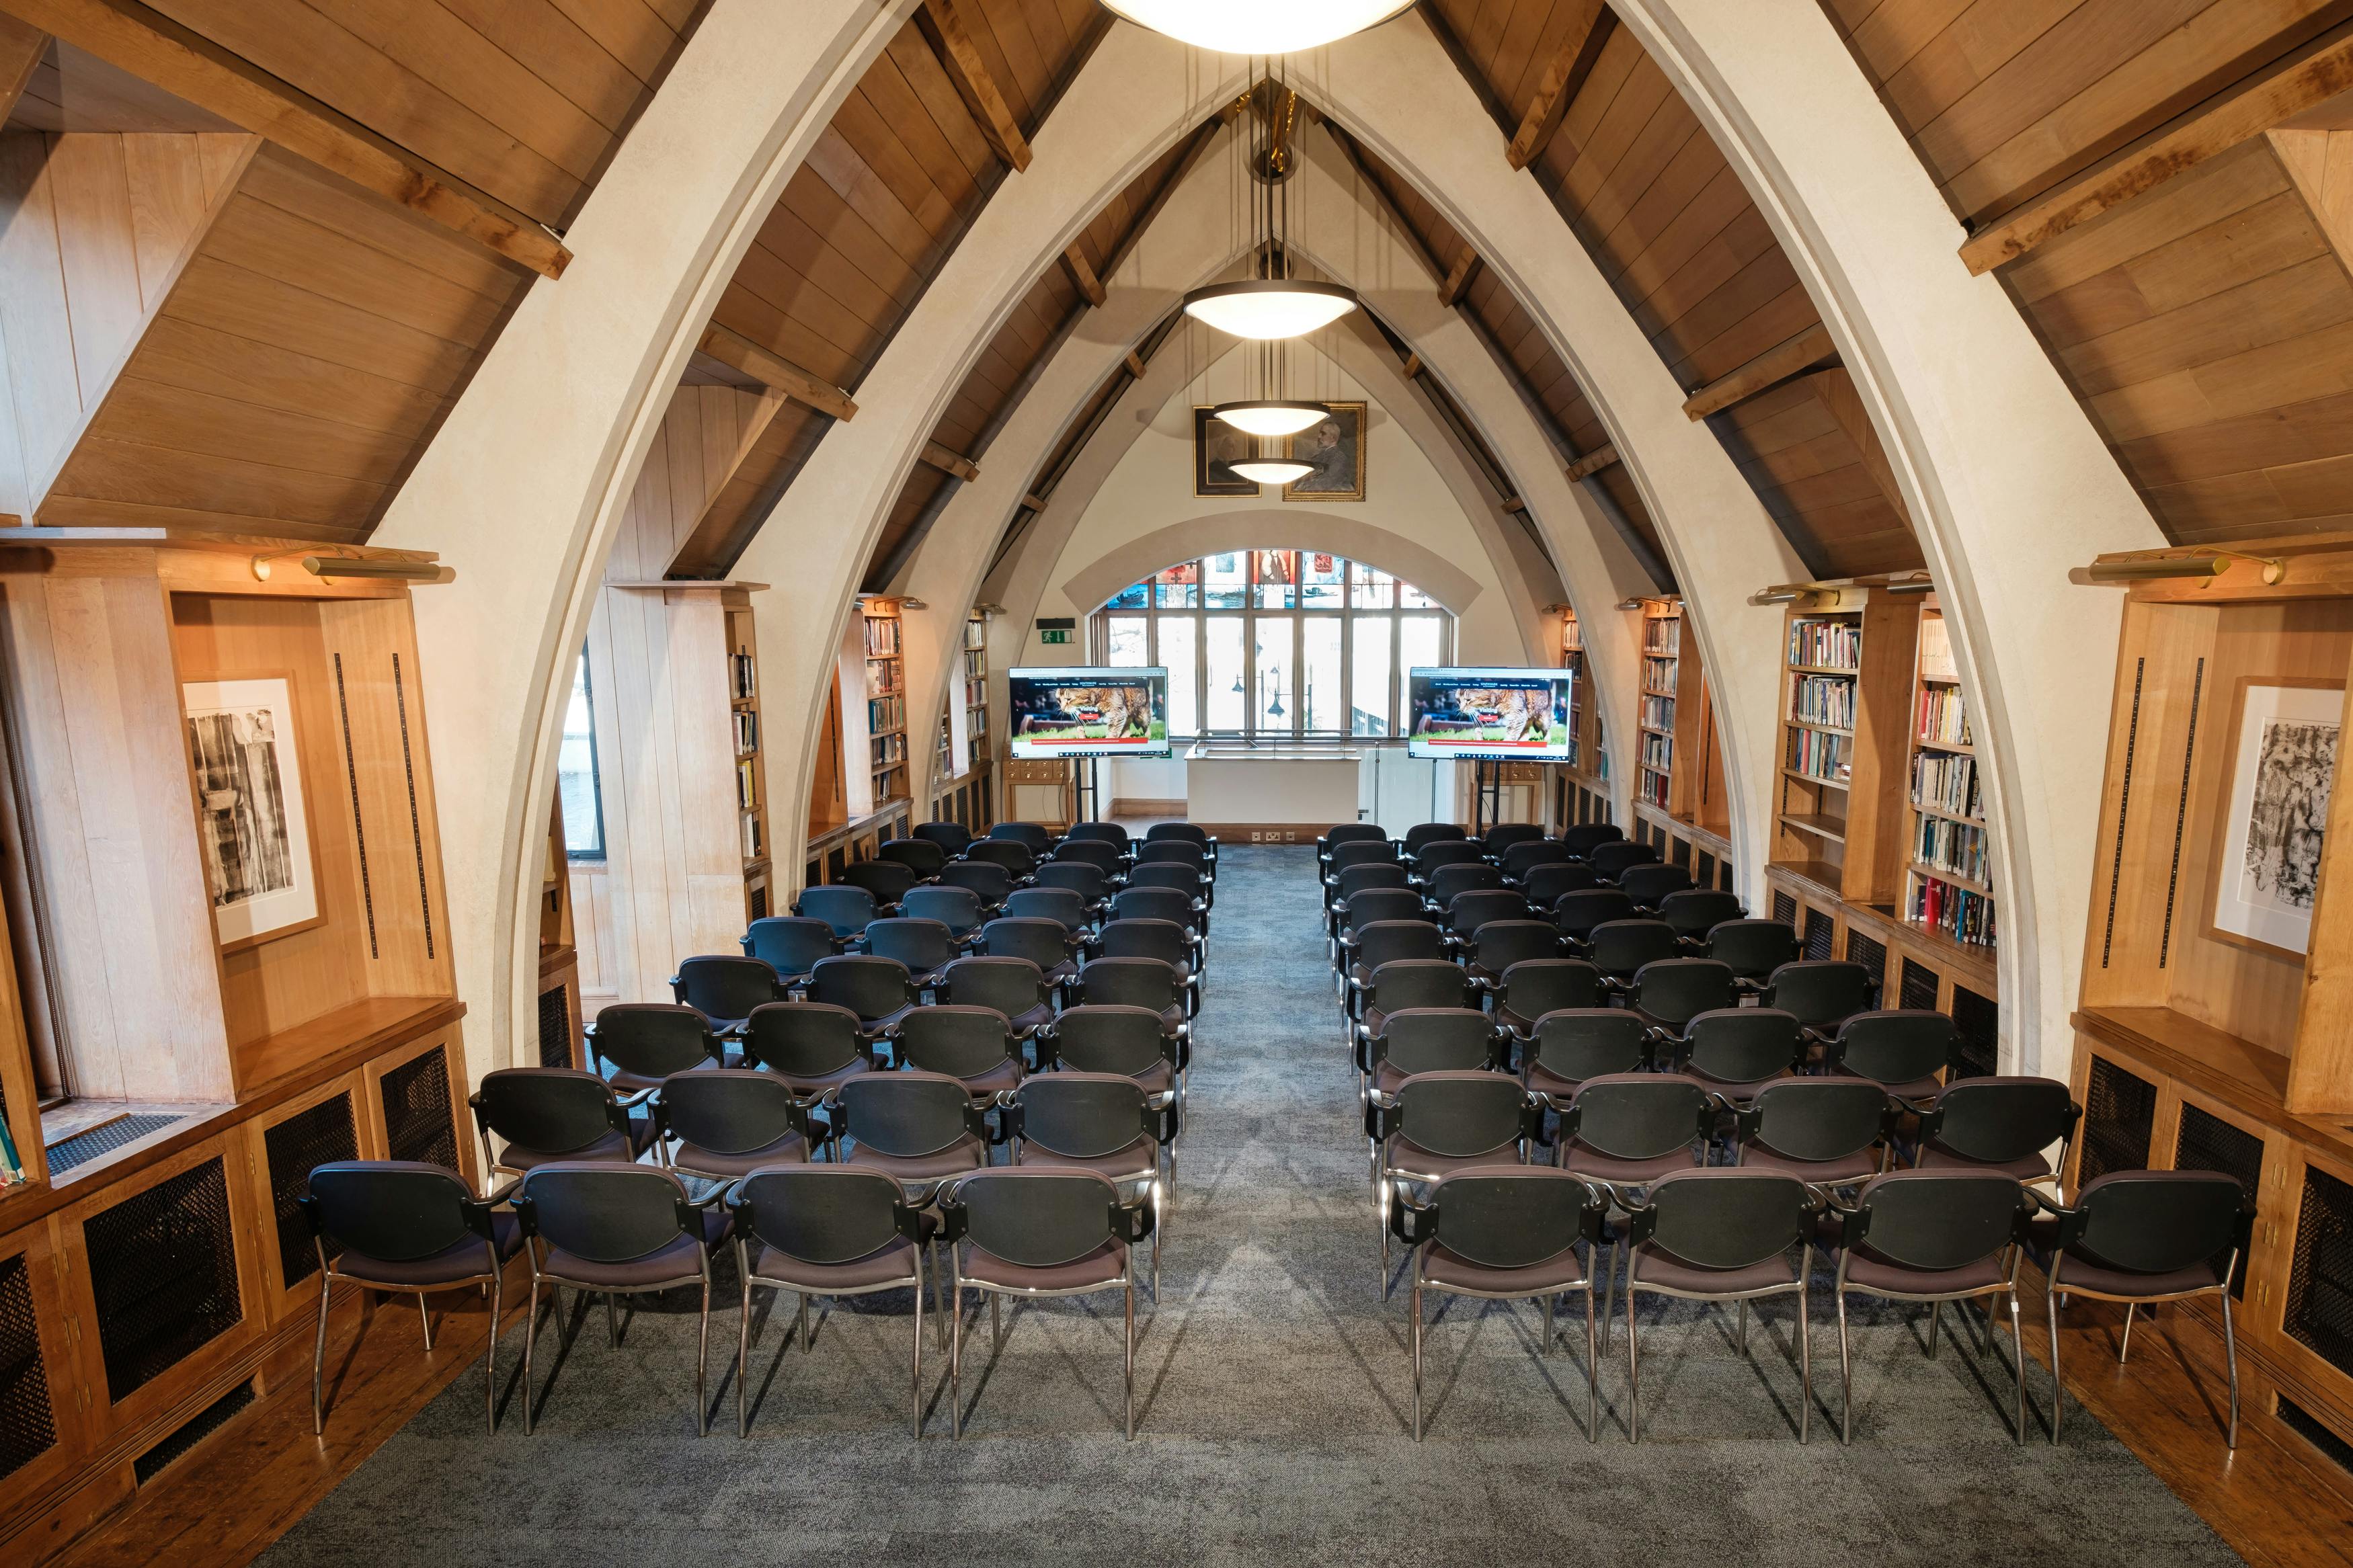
[
  {"x": 949, "y": 462},
  {"x": 1450, "y": 293},
  {"x": 1593, "y": 462},
  {"x": 1775, "y": 364},
  {"x": 1565, "y": 72},
  {"x": 733, "y": 349},
  {"x": 945, "y": 31},
  {"x": 1082, "y": 273}
]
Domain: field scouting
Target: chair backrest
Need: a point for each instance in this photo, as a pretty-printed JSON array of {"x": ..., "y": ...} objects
[
  {"x": 1535, "y": 986},
  {"x": 1515, "y": 1219},
  {"x": 2155, "y": 1222},
  {"x": 1388, "y": 941},
  {"x": 1503, "y": 837},
  {"x": 728, "y": 1111},
  {"x": 1110, "y": 833},
  {"x": 1385, "y": 874},
  {"x": 1939, "y": 1219},
  {"x": 1424, "y": 833},
  {"x": 605, "y": 1213},
  {"x": 1366, "y": 851},
  {"x": 1108, "y": 1039},
  {"x": 1622, "y": 948},
  {"x": 724, "y": 984},
  {"x": 906, "y": 1114},
  {"x": 1351, "y": 833},
  {"x": 653, "y": 1039},
  {"x": 1754, "y": 948},
  {"x": 1459, "y": 1114},
  {"x": 1638, "y": 1116},
  {"x": 398, "y": 1210},
  {"x": 1172, "y": 852},
  {"x": 1437, "y": 853},
  {"x": 956, "y": 1040},
  {"x": 1420, "y": 982},
  {"x": 1727, "y": 1217},
  {"x": 1083, "y": 1115},
  {"x": 871, "y": 987},
  {"x": 548, "y": 1110},
  {"x": 985, "y": 880},
  {"x": 1525, "y": 855},
  {"x": 1013, "y": 855},
  {"x": 1184, "y": 876},
  {"x": 1063, "y": 906},
  {"x": 1034, "y": 1217},
  {"x": 1104, "y": 858},
  {"x": 1010, "y": 986},
  {"x": 1187, "y": 832},
  {"x": 1737, "y": 1045},
  {"x": 1651, "y": 886},
  {"x": 1466, "y": 912},
  {"x": 1089, "y": 882},
  {"x": 1578, "y": 912},
  {"x": 1382, "y": 904},
  {"x": 803, "y": 1039},
  {"x": 1043, "y": 942},
  {"x": 1032, "y": 834},
  {"x": 1679, "y": 991},
  {"x": 1996, "y": 1120},
  {"x": 1822, "y": 991},
  {"x": 847, "y": 909},
  {"x": 1817, "y": 1118},
  {"x": 1547, "y": 880},
  {"x": 1581, "y": 1043},
  {"x": 1695, "y": 911},
  {"x": 1900, "y": 1046},
  {"x": 1163, "y": 940},
  {"x": 1582, "y": 839},
  {"x": 1152, "y": 904},
  {"x": 888, "y": 880},
  {"x": 1447, "y": 882},
  {"x": 920, "y": 856},
  {"x": 1502, "y": 944},
  {"x": 1611, "y": 860},
  {"x": 951, "y": 837},
  {"x": 1129, "y": 983},
  {"x": 959, "y": 908},
  {"x": 789, "y": 944},
  {"x": 921, "y": 945},
  {"x": 1436, "y": 1040},
  {"x": 820, "y": 1214}
]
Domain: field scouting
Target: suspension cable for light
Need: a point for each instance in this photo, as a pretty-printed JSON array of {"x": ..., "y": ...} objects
[
  {"x": 1257, "y": 26},
  {"x": 1274, "y": 304}
]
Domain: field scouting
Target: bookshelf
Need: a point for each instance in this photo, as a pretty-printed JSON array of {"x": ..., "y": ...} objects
[
  {"x": 886, "y": 701},
  {"x": 1948, "y": 877},
  {"x": 1848, "y": 656},
  {"x": 1572, "y": 659},
  {"x": 975, "y": 694},
  {"x": 745, "y": 736},
  {"x": 1662, "y": 633}
]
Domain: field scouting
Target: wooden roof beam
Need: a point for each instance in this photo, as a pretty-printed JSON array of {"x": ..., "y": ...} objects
[
  {"x": 2303, "y": 88},
  {"x": 1593, "y": 462},
  {"x": 1082, "y": 273},
  {"x": 948, "y": 462},
  {"x": 21, "y": 49},
  {"x": 1412, "y": 365},
  {"x": 1458, "y": 279},
  {"x": 945, "y": 31},
  {"x": 1135, "y": 366},
  {"x": 1564, "y": 74},
  {"x": 1775, "y": 366},
  {"x": 151, "y": 46},
  {"x": 732, "y": 348}
]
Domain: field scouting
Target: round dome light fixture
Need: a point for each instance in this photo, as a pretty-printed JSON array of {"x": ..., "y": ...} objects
[
  {"x": 1271, "y": 416},
  {"x": 1272, "y": 470},
  {"x": 1257, "y": 26},
  {"x": 1269, "y": 307}
]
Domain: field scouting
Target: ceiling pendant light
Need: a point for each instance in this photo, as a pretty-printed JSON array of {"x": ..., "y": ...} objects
[
  {"x": 1271, "y": 416},
  {"x": 1272, "y": 470},
  {"x": 1274, "y": 305},
  {"x": 1257, "y": 26}
]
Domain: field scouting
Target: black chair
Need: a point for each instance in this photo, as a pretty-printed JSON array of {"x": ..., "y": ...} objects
[
  {"x": 878, "y": 990},
  {"x": 2144, "y": 1237},
  {"x": 826, "y": 1230},
  {"x": 1430, "y": 1039},
  {"x": 1012, "y": 986},
  {"x": 1502, "y": 944},
  {"x": 920, "y": 1129},
  {"x": 959, "y": 908},
  {"x": 1695, "y": 911},
  {"x": 1187, "y": 832},
  {"x": 1346, "y": 833},
  {"x": 1905, "y": 1051},
  {"x": 1469, "y": 912},
  {"x": 1070, "y": 911},
  {"x": 545, "y": 1114},
  {"x": 1128, "y": 1041},
  {"x": 618, "y": 1230},
  {"x": 1502, "y": 837},
  {"x": 1112, "y": 862},
  {"x": 1178, "y": 852},
  {"x": 888, "y": 880},
  {"x": 725, "y": 988},
  {"x": 1629, "y": 1129},
  {"x": 1103, "y": 1122},
  {"x": 990, "y": 883},
  {"x": 791, "y": 944},
  {"x": 1723, "y": 1235},
  {"x": 403, "y": 1226},
  {"x": 722, "y": 1126},
  {"x": 2001, "y": 1124},
  {"x": 1357, "y": 852},
  {"x": 1412, "y": 983},
  {"x": 1032, "y": 835},
  {"x": 1464, "y": 877},
  {"x": 847, "y": 910},
  {"x": 814, "y": 1047},
  {"x": 1181, "y": 879},
  {"x": 1611, "y": 860},
  {"x": 1366, "y": 948},
  {"x": 1157, "y": 904},
  {"x": 1735, "y": 1052},
  {"x": 1535, "y": 986},
  {"x": 1934, "y": 1237},
  {"x": 1136, "y": 982},
  {"x": 1110, "y": 833},
  {"x": 1582, "y": 839},
  {"x": 1017, "y": 857},
  {"x": 920, "y": 856},
  {"x": 1423, "y": 833},
  {"x": 1753, "y": 948},
  {"x": 1506, "y": 1236},
  {"x": 1569, "y": 1044},
  {"x": 1037, "y": 1232},
  {"x": 1164, "y": 940},
  {"x": 969, "y": 1044},
  {"x": 1623, "y": 949},
  {"x": 1438, "y": 1123},
  {"x": 1371, "y": 873},
  {"x": 1823, "y": 993},
  {"x": 951, "y": 837},
  {"x": 1518, "y": 859},
  {"x": 1830, "y": 1132},
  {"x": 1651, "y": 886},
  {"x": 1423, "y": 864},
  {"x": 1545, "y": 883},
  {"x": 1076, "y": 877},
  {"x": 636, "y": 1044},
  {"x": 924, "y": 947},
  {"x": 1580, "y": 912},
  {"x": 1375, "y": 906},
  {"x": 1049, "y": 944}
]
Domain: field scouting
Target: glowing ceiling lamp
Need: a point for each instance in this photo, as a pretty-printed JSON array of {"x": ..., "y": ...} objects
[
  {"x": 1257, "y": 26},
  {"x": 1272, "y": 416},
  {"x": 1275, "y": 305},
  {"x": 1272, "y": 470}
]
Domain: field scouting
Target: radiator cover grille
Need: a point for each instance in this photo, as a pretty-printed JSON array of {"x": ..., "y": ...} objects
[
  {"x": 295, "y": 1147},
  {"x": 416, "y": 1121},
  {"x": 2119, "y": 1114},
  {"x": 28, "y": 1426},
  {"x": 162, "y": 1267},
  {"x": 2320, "y": 1278}
]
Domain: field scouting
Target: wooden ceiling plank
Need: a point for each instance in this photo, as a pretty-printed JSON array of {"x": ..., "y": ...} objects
[
  {"x": 1593, "y": 462},
  {"x": 1083, "y": 274},
  {"x": 1834, "y": 390},
  {"x": 945, "y": 31},
  {"x": 138, "y": 40},
  {"x": 732, "y": 348},
  {"x": 1775, "y": 364},
  {"x": 1564, "y": 74},
  {"x": 948, "y": 462}
]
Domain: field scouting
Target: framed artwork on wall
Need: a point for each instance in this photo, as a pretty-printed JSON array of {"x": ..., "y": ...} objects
[
  {"x": 1217, "y": 447},
  {"x": 1336, "y": 446},
  {"x": 2283, "y": 761},
  {"x": 251, "y": 817}
]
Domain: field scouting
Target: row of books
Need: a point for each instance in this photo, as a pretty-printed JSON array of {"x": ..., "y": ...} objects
[
  {"x": 753, "y": 845},
  {"x": 1659, "y": 676},
  {"x": 975, "y": 633},
  {"x": 747, "y": 734},
  {"x": 1954, "y": 846},
  {"x": 1819, "y": 756},
  {"x": 881, "y": 636},
  {"x": 747, "y": 783},
  {"x": 1651, "y": 789},
  {"x": 886, "y": 713},
  {"x": 975, "y": 694},
  {"x": 975, "y": 664},
  {"x": 1659, "y": 713},
  {"x": 1662, "y": 634},
  {"x": 739, "y": 670},
  {"x": 882, "y": 677},
  {"x": 1959, "y": 913},
  {"x": 1657, "y": 752},
  {"x": 890, "y": 785},
  {"x": 1834, "y": 645},
  {"x": 1943, "y": 718},
  {"x": 1945, "y": 782},
  {"x": 1823, "y": 700},
  {"x": 888, "y": 749}
]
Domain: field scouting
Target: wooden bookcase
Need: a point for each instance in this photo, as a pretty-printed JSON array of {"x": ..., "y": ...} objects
[
  {"x": 1679, "y": 804},
  {"x": 559, "y": 953},
  {"x": 1580, "y": 785},
  {"x": 977, "y": 750},
  {"x": 1663, "y": 628},
  {"x": 886, "y": 701},
  {"x": 751, "y": 776},
  {"x": 1948, "y": 875}
]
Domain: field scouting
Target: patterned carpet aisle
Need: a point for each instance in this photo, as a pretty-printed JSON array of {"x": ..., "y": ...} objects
[{"x": 1273, "y": 1393}]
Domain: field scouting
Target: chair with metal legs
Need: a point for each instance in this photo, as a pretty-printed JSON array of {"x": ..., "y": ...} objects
[
  {"x": 402, "y": 1225},
  {"x": 920, "y": 856},
  {"x": 1753, "y": 949},
  {"x": 2144, "y": 1237},
  {"x": 625, "y": 1230},
  {"x": 1908, "y": 1051},
  {"x": 959, "y": 908},
  {"x": 1535, "y": 986},
  {"x": 1998, "y": 1124},
  {"x": 1826, "y": 1132},
  {"x": 789, "y": 944},
  {"x": 722, "y": 1124},
  {"x": 1103, "y": 1122},
  {"x": 951, "y": 837},
  {"x": 1569, "y": 1044},
  {"x": 827, "y": 1230},
  {"x": 639, "y": 1044},
  {"x": 1582, "y": 839},
  {"x": 543, "y": 1114},
  {"x": 814, "y": 1047},
  {"x": 1035, "y": 1233},
  {"x": 972, "y": 1046},
  {"x": 1581, "y": 912},
  {"x": 1441, "y": 1123},
  {"x": 845, "y": 909},
  {"x": 1620, "y": 1130},
  {"x": 1506, "y": 1236},
  {"x": 1721, "y": 1234},
  {"x": 1346, "y": 833},
  {"x": 724, "y": 987},
  {"x": 1933, "y": 1237},
  {"x": 1548, "y": 880}
]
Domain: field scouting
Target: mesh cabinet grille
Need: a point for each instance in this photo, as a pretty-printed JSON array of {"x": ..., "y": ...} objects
[
  {"x": 416, "y": 1122},
  {"x": 295, "y": 1146},
  {"x": 1679, "y": 853},
  {"x": 1979, "y": 1021},
  {"x": 1703, "y": 872},
  {"x": 1785, "y": 909},
  {"x": 104, "y": 1138},
  {"x": 2320, "y": 1279},
  {"x": 1821, "y": 930},
  {"x": 556, "y": 1026},
  {"x": 162, "y": 1268},
  {"x": 193, "y": 1431},
  {"x": 2206, "y": 1143},
  {"x": 2309, "y": 1427},
  {"x": 1866, "y": 950},
  {"x": 2119, "y": 1112},
  {"x": 28, "y": 1427},
  {"x": 760, "y": 902},
  {"x": 1916, "y": 986}
]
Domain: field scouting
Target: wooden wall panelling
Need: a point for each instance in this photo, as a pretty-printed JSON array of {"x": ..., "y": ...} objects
[
  {"x": 22, "y": 48},
  {"x": 54, "y": 1331},
  {"x": 461, "y": 1120},
  {"x": 1876, "y": 846},
  {"x": 592, "y": 930}
]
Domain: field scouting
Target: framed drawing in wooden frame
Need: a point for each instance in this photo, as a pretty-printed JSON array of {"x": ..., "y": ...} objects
[
  {"x": 2282, "y": 759},
  {"x": 260, "y": 863},
  {"x": 1217, "y": 447},
  {"x": 1335, "y": 446}
]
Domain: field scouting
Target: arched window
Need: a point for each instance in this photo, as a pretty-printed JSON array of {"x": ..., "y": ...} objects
[{"x": 1276, "y": 642}]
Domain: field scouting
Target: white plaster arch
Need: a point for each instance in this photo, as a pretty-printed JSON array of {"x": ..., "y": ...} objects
[{"x": 1273, "y": 528}]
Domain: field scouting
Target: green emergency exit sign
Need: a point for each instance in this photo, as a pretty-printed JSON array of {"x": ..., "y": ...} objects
[{"x": 1053, "y": 637}]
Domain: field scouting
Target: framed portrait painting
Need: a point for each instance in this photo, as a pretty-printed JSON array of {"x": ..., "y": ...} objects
[
  {"x": 251, "y": 819},
  {"x": 2282, "y": 759},
  {"x": 1336, "y": 446},
  {"x": 1217, "y": 447}
]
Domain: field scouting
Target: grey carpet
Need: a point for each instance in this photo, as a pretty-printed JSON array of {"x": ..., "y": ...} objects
[{"x": 1274, "y": 1400}]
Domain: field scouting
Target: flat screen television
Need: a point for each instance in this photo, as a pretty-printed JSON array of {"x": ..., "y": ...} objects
[
  {"x": 1488, "y": 715},
  {"x": 1077, "y": 712}
]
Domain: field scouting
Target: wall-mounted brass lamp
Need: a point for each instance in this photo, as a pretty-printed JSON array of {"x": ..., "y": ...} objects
[
  {"x": 2211, "y": 562},
  {"x": 331, "y": 566},
  {"x": 1913, "y": 585}
]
